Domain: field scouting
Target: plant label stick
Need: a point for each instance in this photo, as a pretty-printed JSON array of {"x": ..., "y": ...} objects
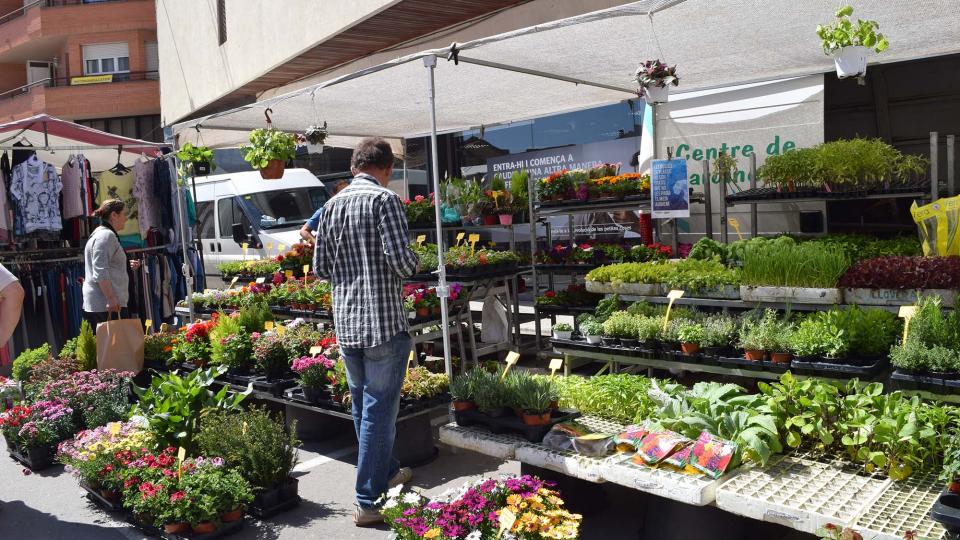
[
  {"x": 512, "y": 358},
  {"x": 281, "y": 330},
  {"x": 245, "y": 246},
  {"x": 420, "y": 239},
  {"x": 507, "y": 519},
  {"x": 907, "y": 313},
  {"x": 233, "y": 281},
  {"x": 268, "y": 325},
  {"x": 555, "y": 364},
  {"x": 114, "y": 429},
  {"x": 316, "y": 350},
  {"x": 269, "y": 247},
  {"x": 735, "y": 223},
  {"x": 147, "y": 325},
  {"x": 410, "y": 360},
  {"x": 459, "y": 238},
  {"x": 672, "y": 295},
  {"x": 164, "y": 327},
  {"x": 280, "y": 248},
  {"x": 181, "y": 455},
  {"x": 473, "y": 238},
  {"x": 306, "y": 271},
  {"x": 261, "y": 280}
]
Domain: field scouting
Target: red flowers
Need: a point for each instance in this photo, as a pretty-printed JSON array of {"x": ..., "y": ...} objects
[{"x": 179, "y": 495}]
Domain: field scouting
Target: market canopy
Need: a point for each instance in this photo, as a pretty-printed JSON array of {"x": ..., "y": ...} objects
[
  {"x": 54, "y": 139},
  {"x": 588, "y": 61}
]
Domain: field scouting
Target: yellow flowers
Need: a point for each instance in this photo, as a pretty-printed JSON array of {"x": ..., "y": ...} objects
[
  {"x": 432, "y": 533},
  {"x": 533, "y": 516}
]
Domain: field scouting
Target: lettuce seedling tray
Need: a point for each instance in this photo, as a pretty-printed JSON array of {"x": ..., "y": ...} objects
[
  {"x": 801, "y": 493},
  {"x": 698, "y": 490},
  {"x": 903, "y": 507},
  {"x": 502, "y": 446}
]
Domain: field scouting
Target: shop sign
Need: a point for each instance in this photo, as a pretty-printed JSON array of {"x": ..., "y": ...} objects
[
  {"x": 669, "y": 190},
  {"x": 91, "y": 79},
  {"x": 542, "y": 163}
]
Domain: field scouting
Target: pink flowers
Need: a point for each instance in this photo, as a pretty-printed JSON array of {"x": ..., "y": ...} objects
[{"x": 302, "y": 364}]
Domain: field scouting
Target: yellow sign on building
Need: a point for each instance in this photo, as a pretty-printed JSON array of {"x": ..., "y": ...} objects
[{"x": 91, "y": 79}]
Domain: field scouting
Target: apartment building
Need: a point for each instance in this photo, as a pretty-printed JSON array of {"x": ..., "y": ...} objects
[{"x": 94, "y": 62}]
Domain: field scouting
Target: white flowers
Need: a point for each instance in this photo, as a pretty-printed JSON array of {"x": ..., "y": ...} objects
[
  {"x": 475, "y": 535},
  {"x": 411, "y": 498},
  {"x": 394, "y": 491},
  {"x": 391, "y": 503}
]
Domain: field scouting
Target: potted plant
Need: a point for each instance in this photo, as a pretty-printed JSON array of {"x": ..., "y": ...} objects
[
  {"x": 271, "y": 355},
  {"x": 197, "y": 159},
  {"x": 555, "y": 186},
  {"x": 490, "y": 394},
  {"x": 691, "y": 334},
  {"x": 848, "y": 43},
  {"x": 269, "y": 151},
  {"x": 562, "y": 331},
  {"x": 655, "y": 79},
  {"x": 535, "y": 395},
  {"x": 461, "y": 392},
  {"x": 951, "y": 463},
  {"x": 718, "y": 332},
  {"x": 780, "y": 344},
  {"x": 623, "y": 327},
  {"x": 592, "y": 331},
  {"x": 648, "y": 331},
  {"x": 313, "y": 373},
  {"x": 315, "y": 136},
  {"x": 759, "y": 336}
]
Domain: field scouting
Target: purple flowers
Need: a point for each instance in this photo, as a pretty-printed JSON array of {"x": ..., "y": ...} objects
[{"x": 314, "y": 371}]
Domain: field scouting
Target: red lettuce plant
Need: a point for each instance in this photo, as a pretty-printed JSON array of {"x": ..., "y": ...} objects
[{"x": 904, "y": 273}]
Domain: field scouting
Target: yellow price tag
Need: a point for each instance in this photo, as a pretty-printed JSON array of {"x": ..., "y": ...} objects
[
  {"x": 735, "y": 223},
  {"x": 270, "y": 247},
  {"x": 512, "y": 358},
  {"x": 306, "y": 270},
  {"x": 147, "y": 325},
  {"x": 281, "y": 330},
  {"x": 555, "y": 364},
  {"x": 114, "y": 429},
  {"x": 261, "y": 280},
  {"x": 410, "y": 359},
  {"x": 460, "y": 237},
  {"x": 281, "y": 248},
  {"x": 245, "y": 247},
  {"x": 234, "y": 281},
  {"x": 288, "y": 273},
  {"x": 421, "y": 239},
  {"x": 473, "y": 238},
  {"x": 268, "y": 325},
  {"x": 181, "y": 454},
  {"x": 673, "y": 296},
  {"x": 507, "y": 519},
  {"x": 316, "y": 350},
  {"x": 907, "y": 313}
]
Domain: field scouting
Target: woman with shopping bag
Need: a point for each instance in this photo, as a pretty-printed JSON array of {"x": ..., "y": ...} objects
[{"x": 105, "y": 292}]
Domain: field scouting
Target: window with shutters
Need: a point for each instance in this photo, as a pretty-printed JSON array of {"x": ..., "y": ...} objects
[
  {"x": 151, "y": 60},
  {"x": 222, "y": 21},
  {"x": 106, "y": 58}
]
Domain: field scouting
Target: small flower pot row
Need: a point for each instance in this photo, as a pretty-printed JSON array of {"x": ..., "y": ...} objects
[{"x": 507, "y": 421}]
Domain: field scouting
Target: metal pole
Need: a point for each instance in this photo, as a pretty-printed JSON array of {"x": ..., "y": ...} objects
[
  {"x": 534, "y": 275},
  {"x": 934, "y": 181},
  {"x": 707, "y": 202},
  {"x": 753, "y": 185},
  {"x": 724, "y": 232},
  {"x": 430, "y": 62},
  {"x": 182, "y": 212},
  {"x": 951, "y": 181}
]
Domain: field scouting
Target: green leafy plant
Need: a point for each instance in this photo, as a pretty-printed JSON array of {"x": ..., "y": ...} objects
[
  {"x": 606, "y": 307},
  {"x": 691, "y": 332},
  {"x": 534, "y": 395},
  {"x": 815, "y": 336},
  {"x": 25, "y": 361},
  {"x": 648, "y": 328},
  {"x": 190, "y": 155},
  {"x": 174, "y": 405},
  {"x": 761, "y": 334},
  {"x": 267, "y": 144},
  {"x": 621, "y": 325},
  {"x": 461, "y": 388},
  {"x": 256, "y": 444},
  {"x": 718, "y": 331},
  {"x": 562, "y": 327},
  {"x": 620, "y": 397},
  {"x": 845, "y": 33},
  {"x": 591, "y": 328},
  {"x": 785, "y": 263},
  {"x": 489, "y": 392},
  {"x": 86, "y": 347}
]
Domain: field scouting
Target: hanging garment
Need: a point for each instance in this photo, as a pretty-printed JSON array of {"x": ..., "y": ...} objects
[
  {"x": 72, "y": 177},
  {"x": 161, "y": 189},
  {"x": 4, "y": 225},
  {"x": 120, "y": 186},
  {"x": 144, "y": 192},
  {"x": 36, "y": 189}
]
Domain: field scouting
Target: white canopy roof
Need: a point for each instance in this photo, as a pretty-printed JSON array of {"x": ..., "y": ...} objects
[{"x": 589, "y": 60}]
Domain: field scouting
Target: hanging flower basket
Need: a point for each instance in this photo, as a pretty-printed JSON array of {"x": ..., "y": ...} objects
[
  {"x": 269, "y": 150},
  {"x": 656, "y": 94},
  {"x": 655, "y": 79},
  {"x": 848, "y": 42},
  {"x": 273, "y": 170},
  {"x": 851, "y": 62}
]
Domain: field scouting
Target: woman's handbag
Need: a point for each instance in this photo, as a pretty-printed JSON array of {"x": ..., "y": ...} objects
[{"x": 120, "y": 344}]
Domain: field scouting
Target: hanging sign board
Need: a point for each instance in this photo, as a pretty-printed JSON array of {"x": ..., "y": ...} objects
[{"x": 669, "y": 190}]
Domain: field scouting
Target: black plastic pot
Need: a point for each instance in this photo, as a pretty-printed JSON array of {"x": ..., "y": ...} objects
[
  {"x": 628, "y": 342},
  {"x": 270, "y": 502},
  {"x": 312, "y": 394},
  {"x": 512, "y": 424},
  {"x": 35, "y": 458},
  {"x": 610, "y": 341}
]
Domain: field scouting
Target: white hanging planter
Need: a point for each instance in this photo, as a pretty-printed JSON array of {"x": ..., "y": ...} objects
[
  {"x": 851, "y": 62},
  {"x": 314, "y": 148},
  {"x": 656, "y": 94}
]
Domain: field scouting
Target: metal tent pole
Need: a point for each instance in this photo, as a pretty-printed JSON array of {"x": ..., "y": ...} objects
[
  {"x": 187, "y": 268},
  {"x": 430, "y": 62}
]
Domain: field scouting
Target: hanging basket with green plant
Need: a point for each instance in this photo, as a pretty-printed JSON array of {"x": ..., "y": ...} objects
[
  {"x": 848, "y": 43},
  {"x": 655, "y": 79},
  {"x": 269, "y": 151},
  {"x": 197, "y": 159}
]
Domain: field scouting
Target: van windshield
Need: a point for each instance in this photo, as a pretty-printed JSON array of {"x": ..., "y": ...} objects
[{"x": 284, "y": 207}]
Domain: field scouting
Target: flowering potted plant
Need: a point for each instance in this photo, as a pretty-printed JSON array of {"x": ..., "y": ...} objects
[
  {"x": 269, "y": 151},
  {"x": 848, "y": 43},
  {"x": 98, "y": 456},
  {"x": 420, "y": 210},
  {"x": 193, "y": 343},
  {"x": 32, "y": 432},
  {"x": 655, "y": 79},
  {"x": 555, "y": 187},
  {"x": 562, "y": 331},
  {"x": 314, "y": 374},
  {"x": 315, "y": 136},
  {"x": 270, "y": 354}
]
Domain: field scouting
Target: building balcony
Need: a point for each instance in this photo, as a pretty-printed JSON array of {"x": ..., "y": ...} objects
[{"x": 98, "y": 96}]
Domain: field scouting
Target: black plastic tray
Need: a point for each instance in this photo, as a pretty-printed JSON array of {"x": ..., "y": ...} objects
[
  {"x": 915, "y": 381},
  {"x": 835, "y": 369},
  {"x": 225, "y": 529},
  {"x": 577, "y": 203},
  {"x": 407, "y": 406},
  {"x": 38, "y": 460},
  {"x": 282, "y": 498},
  {"x": 273, "y": 387},
  {"x": 101, "y": 502},
  {"x": 946, "y": 511},
  {"x": 739, "y": 362},
  {"x": 512, "y": 424}
]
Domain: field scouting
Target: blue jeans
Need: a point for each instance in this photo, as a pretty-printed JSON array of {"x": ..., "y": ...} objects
[{"x": 375, "y": 376}]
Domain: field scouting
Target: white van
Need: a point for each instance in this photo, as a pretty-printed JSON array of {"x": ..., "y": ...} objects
[{"x": 243, "y": 207}]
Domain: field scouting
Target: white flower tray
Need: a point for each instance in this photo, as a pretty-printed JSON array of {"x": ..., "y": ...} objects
[
  {"x": 685, "y": 488},
  {"x": 468, "y": 438},
  {"x": 902, "y": 507},
  {"x": 568, "y": 463},
  {"x": 801, "y": 493}
]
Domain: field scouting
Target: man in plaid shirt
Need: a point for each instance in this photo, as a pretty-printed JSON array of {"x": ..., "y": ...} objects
[{"x": 362, "y": 248}]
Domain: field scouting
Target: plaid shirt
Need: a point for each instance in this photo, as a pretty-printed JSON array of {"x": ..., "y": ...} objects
[{"x": 362, "y": 248}]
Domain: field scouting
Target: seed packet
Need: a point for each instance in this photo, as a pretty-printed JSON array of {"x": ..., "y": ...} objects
[
  {"x": 655, "y": 447},
  {"x": 629, "y": 439},
  {"x": 593, "y": 445},
  {"x": 711, "y": 455},
  {"x": 680, "y": 458}
]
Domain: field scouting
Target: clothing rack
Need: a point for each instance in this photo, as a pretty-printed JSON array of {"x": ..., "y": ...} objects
[{"x": 41, "y": 261}]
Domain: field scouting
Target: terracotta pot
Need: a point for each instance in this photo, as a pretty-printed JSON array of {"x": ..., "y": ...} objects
[
  {"x": 461, "y": 406},
  {"x": 110, "y": 494},
  {"x": 690, "y": 348},
  {"x": 781, "y": 357},
  {"x": 506, "y": 219},
  {"x": 423, "y": 312},
  {"x": 753, "y": 356},
  {"x": 490, "y": 219},
  {"x": 435, "y": 310},
  {"x": 273, "y": 170},
  {"x": 205, "y": 527},
  {"x": 954, "y": 487},
  {"x": 230, "y": 517},
  {"x": 176, "y": 528},
  {"x": 536, "y": 419}
]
